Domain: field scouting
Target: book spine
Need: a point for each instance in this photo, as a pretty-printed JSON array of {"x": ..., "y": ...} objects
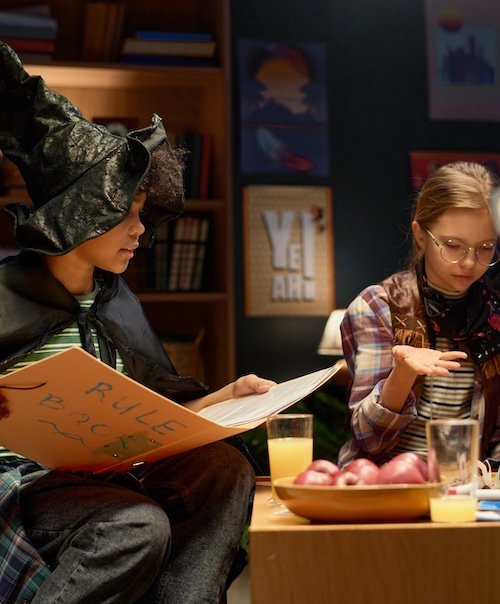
[
  {"x": 35, "y": 45},
  {"x": 173, "y": 36},
  {"x": 188, "y": 253},
  {"x": 134, "y": 59},
  {"x": 19, "y": 24},
  {"x": 173, "y": 279},
  {"x": 205, "y": 165},
  {"x": 160, "y": 253},
  {"x": 199, "y": 261},
  {"x": 27, "y": 32},
  {"x": 96, "y": 19},
  {"x": 184, "y": 49}
]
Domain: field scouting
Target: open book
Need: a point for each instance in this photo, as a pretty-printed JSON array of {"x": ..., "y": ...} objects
[{"x": 72, "y": 411}]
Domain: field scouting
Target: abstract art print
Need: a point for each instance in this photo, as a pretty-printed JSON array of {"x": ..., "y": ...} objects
[
  {"x": 283, "y": 108},
  {"x": 463, "y": 59}
]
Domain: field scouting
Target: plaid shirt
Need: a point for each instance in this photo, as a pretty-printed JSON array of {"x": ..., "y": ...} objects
[
  {"x": 368, "y": 340},
  {"x": 22, "y": 570}
]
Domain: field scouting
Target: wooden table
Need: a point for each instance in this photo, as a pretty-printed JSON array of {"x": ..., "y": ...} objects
[{"x": 295, "y": 562}]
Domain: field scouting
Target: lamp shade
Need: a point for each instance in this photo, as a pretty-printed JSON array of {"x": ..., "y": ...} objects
[{"x": 331, "y": 341}]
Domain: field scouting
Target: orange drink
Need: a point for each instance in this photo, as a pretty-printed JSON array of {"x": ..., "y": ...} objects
[
  {"x": 457, "y": 508},
  {"x": 290, "y": 444},
  {"x": 289, "y": 456}
]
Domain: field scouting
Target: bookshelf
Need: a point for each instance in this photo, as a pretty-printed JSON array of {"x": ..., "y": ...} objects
[{"x": 187, "y": 98}]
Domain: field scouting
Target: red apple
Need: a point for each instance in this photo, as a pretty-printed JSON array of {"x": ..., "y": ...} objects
[
  {"x": 417, "y": 460},
  {"x": 323, "y": 465},
  {"x": 366, "y": 470},
  {"x": 342, "y": 479},
  {"x": 400, "y": 471},
  {"x": 312, "y": 477}
]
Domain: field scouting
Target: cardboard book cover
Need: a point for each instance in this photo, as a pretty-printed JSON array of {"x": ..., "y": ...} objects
[{"x": 72, "y": 411}]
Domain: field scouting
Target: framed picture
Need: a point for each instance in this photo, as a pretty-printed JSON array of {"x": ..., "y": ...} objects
[
  {"x": 283, "y": 108},
  {"x": 288, "y": 251},
  {"x": 423, "y": 163},
  {"x": 463, "y": 59}
]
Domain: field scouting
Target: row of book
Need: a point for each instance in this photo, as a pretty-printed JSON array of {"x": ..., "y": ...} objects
[
  {"x": 169, "y": 48},
  {"x": 30, "y": 31},
  {"x": 102, "y": 32},
  {"x": 178, "y": 257}
]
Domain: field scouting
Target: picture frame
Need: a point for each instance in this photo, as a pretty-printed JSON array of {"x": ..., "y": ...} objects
[
  {"x": 423, "y": 163},
  {"x": 463, "y": 59},
  {"x": 283, "y": 108},
  {"x": 288, "y": 250}
]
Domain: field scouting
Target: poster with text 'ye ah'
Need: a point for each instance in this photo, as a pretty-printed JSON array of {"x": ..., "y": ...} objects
[{"x": 288, "y": 234}]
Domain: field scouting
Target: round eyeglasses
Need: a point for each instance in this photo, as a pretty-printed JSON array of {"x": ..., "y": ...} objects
[{"x": 454, "y": 250}]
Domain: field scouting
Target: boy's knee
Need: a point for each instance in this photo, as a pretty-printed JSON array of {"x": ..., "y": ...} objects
[{"x": 147, "y": 527}]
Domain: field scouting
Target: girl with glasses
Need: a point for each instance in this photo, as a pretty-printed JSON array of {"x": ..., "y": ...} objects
[{"x": 425, "y": 343}]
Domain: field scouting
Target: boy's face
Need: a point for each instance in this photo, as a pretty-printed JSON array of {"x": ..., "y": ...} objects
[{"x": 113, "y": 250}]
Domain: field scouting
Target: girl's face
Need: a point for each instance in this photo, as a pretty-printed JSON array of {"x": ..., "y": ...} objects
[
  {"x": 473, "y": 228},
  {"x": 113, "y": 250}
]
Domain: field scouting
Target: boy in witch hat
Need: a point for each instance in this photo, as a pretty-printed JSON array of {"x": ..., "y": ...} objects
[{"x": 167, "y": 532}]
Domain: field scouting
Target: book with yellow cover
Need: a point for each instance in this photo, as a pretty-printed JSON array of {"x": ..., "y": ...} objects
[{"x": 72, "y": 411}]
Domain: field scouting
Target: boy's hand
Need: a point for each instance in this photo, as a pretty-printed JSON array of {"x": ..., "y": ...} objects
[
  {"x": 251, "y": 384},
  {"x": 248, "y": 384}
]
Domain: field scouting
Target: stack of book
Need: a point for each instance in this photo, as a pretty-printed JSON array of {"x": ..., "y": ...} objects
[
  {"x": 169, "y": 48},
  {"x": 178, "y": 257},
  {"x": 102, "y": 34},
  {"x": 31, "y": 32}
]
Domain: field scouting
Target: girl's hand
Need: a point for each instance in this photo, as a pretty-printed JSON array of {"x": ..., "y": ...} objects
[
  {"x": 4, "y": 406},
  {"x": 427, "y": 361}
]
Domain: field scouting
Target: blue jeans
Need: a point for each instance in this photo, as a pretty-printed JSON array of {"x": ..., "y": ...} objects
[{"x": 174, "y": 542}]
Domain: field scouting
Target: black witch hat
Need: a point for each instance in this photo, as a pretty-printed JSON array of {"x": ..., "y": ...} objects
[{"x": 81, "y": 178}]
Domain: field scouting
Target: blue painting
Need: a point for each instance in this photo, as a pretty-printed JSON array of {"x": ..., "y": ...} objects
[{"x": 283, "y": 108}]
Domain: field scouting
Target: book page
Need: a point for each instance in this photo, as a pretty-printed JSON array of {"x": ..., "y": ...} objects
[{"x": 246, "y": 409}]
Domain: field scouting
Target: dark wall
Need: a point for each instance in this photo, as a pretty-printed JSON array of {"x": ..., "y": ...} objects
[{"x": 377, "y": 97}]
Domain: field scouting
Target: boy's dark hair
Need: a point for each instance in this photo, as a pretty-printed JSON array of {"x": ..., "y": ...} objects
[
  {"x": 165, "y": 172},
  {"x": 163, "y": 181}
]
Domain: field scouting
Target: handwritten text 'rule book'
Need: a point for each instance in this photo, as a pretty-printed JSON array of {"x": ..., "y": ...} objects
[{"x": 83, "y": 414}]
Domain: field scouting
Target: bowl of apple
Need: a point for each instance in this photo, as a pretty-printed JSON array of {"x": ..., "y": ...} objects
[{"x": 361, "y": 491}]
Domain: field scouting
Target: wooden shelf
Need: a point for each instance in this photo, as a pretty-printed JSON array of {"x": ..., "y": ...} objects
[
  {"x": 187, "y": 98},
  {"x": 188, "y": 297},
  {"x": 123, "y": 77}
]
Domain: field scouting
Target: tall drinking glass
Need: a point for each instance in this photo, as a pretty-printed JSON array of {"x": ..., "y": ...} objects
[
  {"x": 453, "y": 450},
  {"x": 290, "y": 444}
]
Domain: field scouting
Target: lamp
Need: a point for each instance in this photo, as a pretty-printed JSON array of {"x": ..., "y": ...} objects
[{"x": 331, "y": 341}]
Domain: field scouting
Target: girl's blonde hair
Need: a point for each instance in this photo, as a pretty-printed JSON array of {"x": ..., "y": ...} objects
[{"x": 457, "y": 185}]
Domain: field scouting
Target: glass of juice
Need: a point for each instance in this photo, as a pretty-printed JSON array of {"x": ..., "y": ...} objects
[
  {"x": 453, "y": 451},
  {"x": 289, "y": 443}
]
